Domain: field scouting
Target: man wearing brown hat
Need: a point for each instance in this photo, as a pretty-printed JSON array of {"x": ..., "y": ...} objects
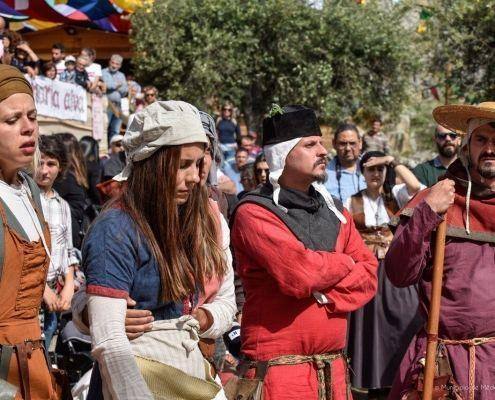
[
  {"x": 303, "y": 265},
  {"x": 466, "y": 199}
]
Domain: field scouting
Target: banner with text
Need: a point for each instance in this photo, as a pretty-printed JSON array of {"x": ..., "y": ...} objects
[{"x": 59, "y": 99}]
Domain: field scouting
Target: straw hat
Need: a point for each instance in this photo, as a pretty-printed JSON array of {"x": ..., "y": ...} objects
[{"x": 456, "y": 116}]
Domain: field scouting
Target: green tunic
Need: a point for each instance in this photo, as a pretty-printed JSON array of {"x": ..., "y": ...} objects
[{"x": 429, "y": 171}]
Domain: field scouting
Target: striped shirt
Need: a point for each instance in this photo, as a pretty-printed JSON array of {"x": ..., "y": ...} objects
[{"x": 57, "y": 214}]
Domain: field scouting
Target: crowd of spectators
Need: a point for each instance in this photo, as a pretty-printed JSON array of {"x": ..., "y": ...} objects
[
  {"x": 76, "y": 180},
  {"x": 124, "y": 96}
]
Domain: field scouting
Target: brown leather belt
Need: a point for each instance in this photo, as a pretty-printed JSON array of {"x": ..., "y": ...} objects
[{"x": 23, "y": 351}]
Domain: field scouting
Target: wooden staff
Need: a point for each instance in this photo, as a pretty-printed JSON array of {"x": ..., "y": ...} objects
[{"x": 434, "y": 313}]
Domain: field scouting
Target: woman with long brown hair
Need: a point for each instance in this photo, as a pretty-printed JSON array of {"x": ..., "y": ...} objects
[
  {"x": 72, "y": 185},
  {"x": 161, "y": 242}
]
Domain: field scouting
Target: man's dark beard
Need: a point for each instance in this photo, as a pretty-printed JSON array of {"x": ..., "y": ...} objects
[
  {"x": 321, "y": 178},
  {"x": 487, "y": 172},
  {"x": 447, "y": 151}
]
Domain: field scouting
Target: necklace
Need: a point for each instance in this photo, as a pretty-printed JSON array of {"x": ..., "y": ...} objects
[{"x": 377, "y": 210}]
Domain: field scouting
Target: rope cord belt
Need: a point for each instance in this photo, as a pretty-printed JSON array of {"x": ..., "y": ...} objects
[
  {"x": 472, "y": 343},
  {"x": 323, "y": 363}
]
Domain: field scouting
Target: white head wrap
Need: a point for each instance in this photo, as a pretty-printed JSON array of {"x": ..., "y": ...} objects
[
  {"x": 163, "y": 123},
  {"x": 276, "y": 155}
]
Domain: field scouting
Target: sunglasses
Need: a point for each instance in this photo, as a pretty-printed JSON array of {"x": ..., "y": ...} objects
[
  {"x": 260, "y": 170},
  {"x": 117, "y": 144},
  {"x": 443, "y": 136}
]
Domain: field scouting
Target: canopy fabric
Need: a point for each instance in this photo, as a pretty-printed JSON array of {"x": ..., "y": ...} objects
[
  {"x": 42, "y": 10},
  {"x": 8, "y": 12},
  {"x": 93, "y": 9},
  {"x": 132, "y": 5},
  {"x": 108, "y": 15},
  {"x": 32, "y": 25}
]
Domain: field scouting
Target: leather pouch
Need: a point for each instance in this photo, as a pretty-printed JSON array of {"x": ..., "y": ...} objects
[
  {"x": 444, "y": 385},
  {"x": 244, "y": 389}
]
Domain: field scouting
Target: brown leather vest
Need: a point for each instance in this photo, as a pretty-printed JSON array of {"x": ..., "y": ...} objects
[{"x": 376, "y": 238}]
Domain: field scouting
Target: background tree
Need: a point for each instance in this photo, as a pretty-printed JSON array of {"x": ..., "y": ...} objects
[
  {"x": 455, "y": 47},
  {"x": 341, "y": 59},
  {"x": 458, "y": 47}
]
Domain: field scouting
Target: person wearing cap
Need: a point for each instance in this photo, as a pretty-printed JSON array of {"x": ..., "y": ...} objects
[
  {"x": 24, "y": 247},
  {"x": 116, "y": 161},
  {"x": 465, "y": 198},
  {"x": 162, "y": 243},
  {"x": 448, "y": 143},
  {"x": 68, "y": 75},
  {"x": 303, "y": 265}
]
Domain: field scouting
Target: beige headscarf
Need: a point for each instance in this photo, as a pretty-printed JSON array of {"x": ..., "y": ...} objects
[{"x": 163, "y": 123}]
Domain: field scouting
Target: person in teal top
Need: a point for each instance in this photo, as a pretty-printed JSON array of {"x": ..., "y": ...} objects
[{"x": 448, "y": 143}]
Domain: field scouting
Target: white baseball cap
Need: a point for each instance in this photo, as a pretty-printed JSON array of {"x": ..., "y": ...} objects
[
  {"x": 116, "y": 138},
  {"x": 69, "y": 59}
]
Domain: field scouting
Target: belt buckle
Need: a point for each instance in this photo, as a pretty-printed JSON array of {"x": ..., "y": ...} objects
[{"x": 30, "y": 343}]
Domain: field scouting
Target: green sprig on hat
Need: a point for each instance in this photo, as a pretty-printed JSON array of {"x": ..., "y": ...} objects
[{"x": 275, "y": 110}]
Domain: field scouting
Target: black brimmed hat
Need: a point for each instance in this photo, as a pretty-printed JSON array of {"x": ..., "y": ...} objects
[{"x": 289, "y": 122}]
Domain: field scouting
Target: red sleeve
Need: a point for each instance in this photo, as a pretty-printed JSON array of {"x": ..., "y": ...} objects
[
  {"x": 261, "y": 237},
  {"x": 360, "y": 285}
]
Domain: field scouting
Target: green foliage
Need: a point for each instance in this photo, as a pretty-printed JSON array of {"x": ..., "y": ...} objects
[
  {"x": 339, "y": 60},
  {"x": 459, "y": 46},
  {"x": 276, "y": 110}
]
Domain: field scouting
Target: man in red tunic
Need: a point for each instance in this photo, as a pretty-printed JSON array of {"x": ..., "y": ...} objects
[{"x": 303, "y": 265}]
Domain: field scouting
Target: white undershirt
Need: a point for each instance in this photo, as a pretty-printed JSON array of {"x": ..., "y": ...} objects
[
  {"x": 16, "y": 197},
  {"x": 375, "y": 213},
  {"x": 94, "y": 71}
]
